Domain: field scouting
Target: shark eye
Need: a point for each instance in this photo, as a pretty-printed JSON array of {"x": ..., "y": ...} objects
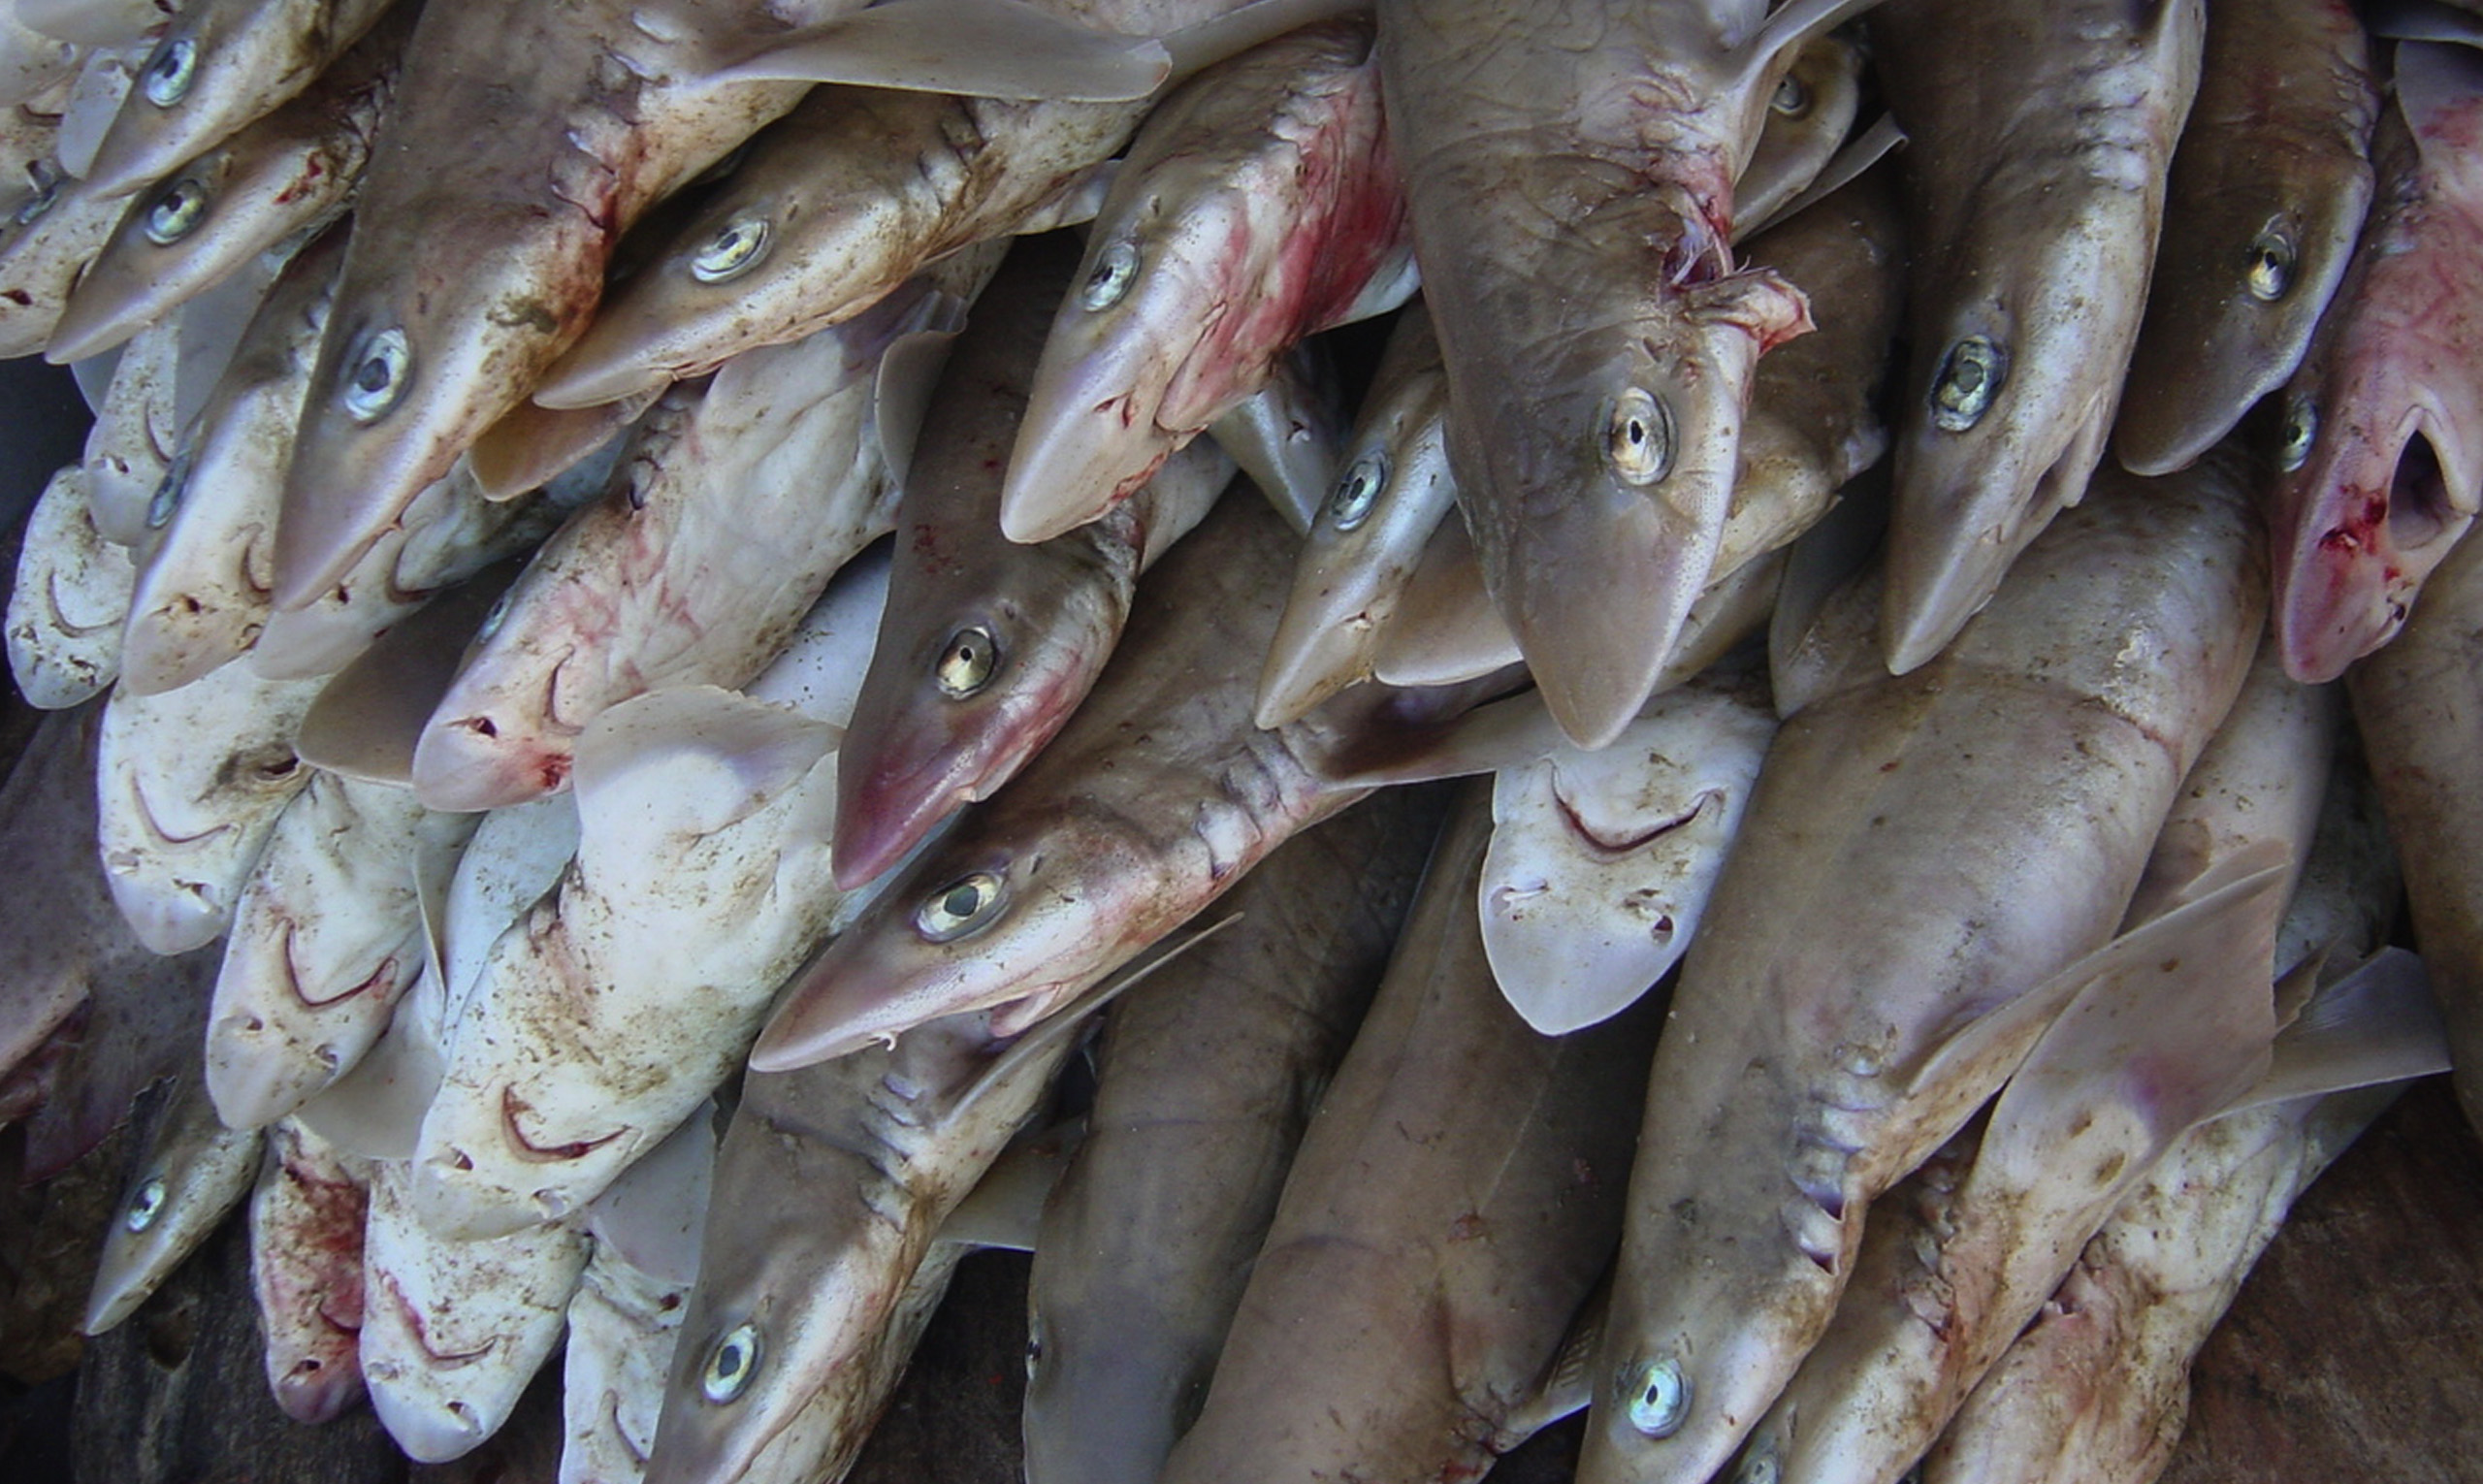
[
  {"x": 1359, "y": 490},
  {"x": 1759, "y": 1468},
  {"x": 734, "y": 250},
  {"x": 731, "y": 1365},
  {"x": 169, "y": 76},
  {"x": 1114, "y": 270},
  {"x": 1970, "y": 377},
  {"x": 168, "y": 493},
  {"x": 1660, "y": 1399},
  {"x": 967, "y": 662},
  {"x": 378, "y": 377},
  {"x": 146, "y": 1206},
  {"x": 177, "y": 212},
  {"x": 2302, "y": 428},
  {"x": 1792, "y": 99},
  {"x": 45, "y": 182},
  {"x": 1637, "y": 437},
  {"x": 1034, "y": 1348},
  {"x": 959, "y": 907},
  {"x": 2270, "y": 271}
]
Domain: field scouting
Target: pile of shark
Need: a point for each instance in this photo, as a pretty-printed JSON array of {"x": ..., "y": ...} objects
[{"x": 704, "y": 653}]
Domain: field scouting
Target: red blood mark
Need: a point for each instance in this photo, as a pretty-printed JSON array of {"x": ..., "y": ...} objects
[{"x": 512, "y": 1107}]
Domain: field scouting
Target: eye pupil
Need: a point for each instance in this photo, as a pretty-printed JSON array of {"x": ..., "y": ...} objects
[
  {"x": 168, "y": 79},
  {"x": 737, "y": 245},
  {"x": 1970, "y": 377},
  {"x": 1638, "y": 437},
  {"x": 967, "y": 665},
  {"x": 372, "y": 375}
]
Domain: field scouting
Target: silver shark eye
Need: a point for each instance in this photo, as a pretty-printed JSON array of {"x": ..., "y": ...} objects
[
  {"x": 1637, "y": 437},
  {"x": 966, "y": 663},
  {"x": 146, "y": 1206},
  {"x": 378, "y": 377},
  {"x": 1114, "y": 270},
  {"x": 2300, "y": 431},
  {"x": 735, "y": 249},
  {"x": 1792, "y": 99},
  {"x": 45, "y": 180},
  {"x": 177, "y": 212},
  {"x": 168, "y": 493},
  {"x": 1034, "y": 1348},
  {"x": 2270, "y": 275},
  {"x": 959, "y": 907},
  {"x": 169, "y": 76},
  {"x": 493, "y": 619},
  {"x": 1970, "y": 377},
  {"x": 1357, "y": 493},
  {"x": 1660, "y": 1399},
  {"x": 731, "y": 1365},
  {"x": 1759, "y": 1468}
]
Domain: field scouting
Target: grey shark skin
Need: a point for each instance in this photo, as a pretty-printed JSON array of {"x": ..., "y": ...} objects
[
  {"x": 829, "y": 1188},
  {"x": 989, "y": 644},
  {"x": 1451, "y": 1208},
  {"x": 1206, "y": 1078},
  {"x": 2042, "y": 135},
  {"x": 2265, "y": 202},
  {"x": 1258, "y": 204},
  {"x": 224, "y": 205},
  {"x": 218, "y": 66},
  {"x": 1143, "y": 811},
  {"x": 1972, "y": 829},
  {"x": 1570, "y": 169},
  {"x": 543, "y": 132}
]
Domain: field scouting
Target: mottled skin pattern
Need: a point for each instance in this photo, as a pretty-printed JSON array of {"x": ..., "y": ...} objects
[
  {"x": 1973, "y": 828},
  {"x": 2275, "y": 158},
  {"x": 1570, "y": 171},
  {"x": 2387, "y": 396},
  {"x": 305, "y": 1269},
  {"x": 2041, "y": 137},
  {"x": 202, "y": 594}
]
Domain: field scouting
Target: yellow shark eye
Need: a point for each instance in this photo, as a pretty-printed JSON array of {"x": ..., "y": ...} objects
[
  {"x": 378, "y": 377},
  {"x": 731, "y": 1365},
  {"x": 169, "y": 76},
  {"x": 1357, "y": 493},
  {"x": 735, "y": 249},
  {"x": 1637, "y": 437},
  {"x": 1792, "y": 99},
  {"x": 146, "y": 1206},
  {"x": 959, "y": 907},
  {"x": 177, "y": 212},
  {"x": 2271, "y": 272},
  {"x": 1970, "y": 377},
  {"x": 1115, "y": 268},
  {"x": 2301, "y": 430},
  {"x": 1658, "y": 1398},
  {"x": 967, "y": 662}
]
